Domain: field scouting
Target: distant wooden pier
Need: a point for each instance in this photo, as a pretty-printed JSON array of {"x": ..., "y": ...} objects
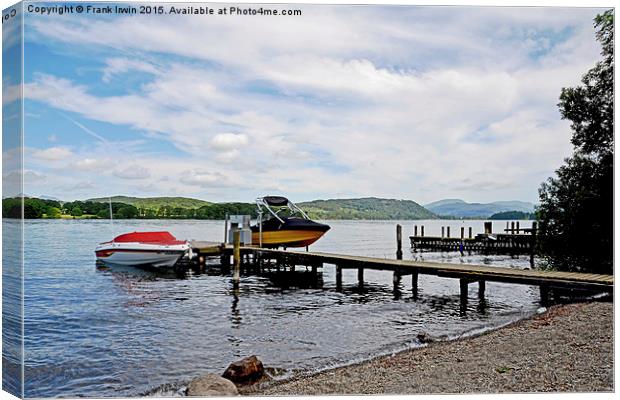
[{"x": 515, "y": 240}]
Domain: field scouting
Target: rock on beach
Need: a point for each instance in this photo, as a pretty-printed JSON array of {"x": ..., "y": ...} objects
[
  {"x": 211, "y": 385},
  {"x": 247, "y": 369}
]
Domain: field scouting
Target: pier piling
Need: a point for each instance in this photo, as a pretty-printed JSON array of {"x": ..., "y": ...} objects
[
  {"x": 481, "y": 287},
  {"x": 544, "y": 295},
  {"x": 447, "y": 231},
  {"x": 396, "y": 279},
  {"x": 236, "y": 255},
  {"x": 338, "y": 277},
  {"x": 464, "y": 284},
  {"x": 414, "y": 284},
  {"x": 399, "y": 242},
  {"x": 533, "y": 244}
]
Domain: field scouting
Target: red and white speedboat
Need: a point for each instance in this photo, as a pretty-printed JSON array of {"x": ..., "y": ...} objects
[{"x": 156, "y": 249}]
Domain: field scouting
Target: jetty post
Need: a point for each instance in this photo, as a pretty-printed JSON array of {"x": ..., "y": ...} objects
[
  {"x": 422, "y": 231},
  {"x": 226, "y": 230},
  {"x": 414, "y": 284},
  {"x": 544, "y": 295},
  {"x": 399, "y": 242},
  {"x": 338, "y": 277},
  {"x": 462, "y": 232},
  {"x": 464, "y": 285},
  {"x": 533, "y": 243},
  {"x": 447, "y": 231},
  {"x": 236, "y": 255},
  {"x": 396, "y": 278},
  {"x": 470, "y": 232},
  {"x": 442, "y": 232},
  {"x": 360, "y": 277},
  {"x": 415, "y": 230}
]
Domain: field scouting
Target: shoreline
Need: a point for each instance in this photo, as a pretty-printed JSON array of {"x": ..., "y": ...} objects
[{"x": 568, "y": 348}]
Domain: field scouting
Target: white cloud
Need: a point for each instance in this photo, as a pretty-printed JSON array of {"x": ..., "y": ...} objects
[
  {"x": 52, "y": 153},
  {"x": 92, "y": 164},
  {"x": 228, "y": 156},
  {"x": 228, "y": 141},
  {"x": 132, "y": 172},
  {"x": 33, "y": 177},
  {"x": 203, "y": 178},
  {"x": 116, "y": 66},
  {"x": 83, "y": 186}
]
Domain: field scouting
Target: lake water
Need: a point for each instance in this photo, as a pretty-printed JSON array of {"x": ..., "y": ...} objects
[{"x": 98, "y": 333}]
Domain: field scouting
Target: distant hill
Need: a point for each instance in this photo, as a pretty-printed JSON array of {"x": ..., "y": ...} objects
[
  {"x": 460, "y": 208},
  {"x": 155, "y": 202},
  {"x": 366, "y": 208}
]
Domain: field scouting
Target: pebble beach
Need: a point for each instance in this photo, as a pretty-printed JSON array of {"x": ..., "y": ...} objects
[{"x": 567, "y": 348}]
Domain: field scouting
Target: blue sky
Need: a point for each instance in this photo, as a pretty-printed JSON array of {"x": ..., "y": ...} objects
[{"x": 420, "y": 103}]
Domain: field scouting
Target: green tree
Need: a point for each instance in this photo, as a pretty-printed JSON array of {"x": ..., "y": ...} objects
[
  {"x": 127, "y": 212},
  {"x": 53, "y": 212},
  {"x": 104, "y": 214},
  {"x": 576, "y": 206},
  {"x": 76, "y": 211},
  {"x": 12, "y": 208}
]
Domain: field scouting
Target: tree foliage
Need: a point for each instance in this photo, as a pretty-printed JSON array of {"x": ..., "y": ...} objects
[
  {"x": 33, "y": 208},
  {"x": 508, "y": 215},
  {"x": 576, "y": 206}
]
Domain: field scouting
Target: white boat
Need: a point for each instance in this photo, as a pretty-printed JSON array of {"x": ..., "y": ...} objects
[{"x": 155, "y": 249}]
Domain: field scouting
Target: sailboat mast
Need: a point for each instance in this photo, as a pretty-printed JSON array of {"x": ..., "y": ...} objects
[{"x": 111, "y": 216}]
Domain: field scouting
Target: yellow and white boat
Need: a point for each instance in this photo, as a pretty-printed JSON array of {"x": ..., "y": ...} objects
[{"x": 282, "y": 224}]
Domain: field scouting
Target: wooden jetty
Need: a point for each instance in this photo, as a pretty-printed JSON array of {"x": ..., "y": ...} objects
[
  {"x": 257, "y": 259},
  {"x": 511, "y": 242},
  {"x": 465, "y": 273}
]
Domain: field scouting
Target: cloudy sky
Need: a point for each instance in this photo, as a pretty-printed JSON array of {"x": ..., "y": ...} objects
[{"x": 420, "y": 103}]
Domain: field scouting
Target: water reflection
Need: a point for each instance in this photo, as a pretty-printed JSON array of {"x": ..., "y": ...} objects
[{"x": 235, "y": 312}]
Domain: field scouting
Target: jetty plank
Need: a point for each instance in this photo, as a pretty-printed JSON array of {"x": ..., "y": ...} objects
[{"x": 206, "y": 248}]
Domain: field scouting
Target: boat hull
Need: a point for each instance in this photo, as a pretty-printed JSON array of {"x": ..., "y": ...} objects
[
  {"x": 138, "y": 254},
  {"x": 294, "y": 232},
  {"x": 285, "y": 238}
]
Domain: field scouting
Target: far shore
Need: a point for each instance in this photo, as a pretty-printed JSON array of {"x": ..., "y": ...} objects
[{"x": 568, "y": 348}]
